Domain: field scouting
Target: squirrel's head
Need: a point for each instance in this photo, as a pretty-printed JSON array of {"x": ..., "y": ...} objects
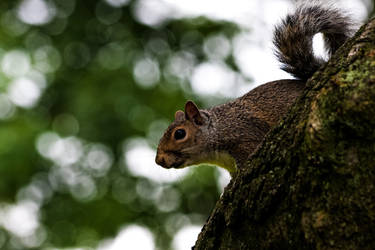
[{"x": 182, "y": 143}]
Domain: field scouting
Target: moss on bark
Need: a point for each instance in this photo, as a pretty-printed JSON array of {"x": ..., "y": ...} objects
[{"x": 311, "y": 185}]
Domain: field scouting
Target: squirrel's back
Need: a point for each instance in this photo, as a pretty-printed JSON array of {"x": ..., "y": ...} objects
[
  {"x": 293, "y": 37},
  {"x": 226, "y": 135}
]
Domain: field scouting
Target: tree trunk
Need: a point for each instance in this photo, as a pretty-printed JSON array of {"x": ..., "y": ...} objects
[{"x": 311, "y": 185}]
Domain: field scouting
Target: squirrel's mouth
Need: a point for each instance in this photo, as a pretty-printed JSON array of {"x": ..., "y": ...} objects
[
  {"x": 177, "y": 164},
  {"x": 169, "y": 160},
  {"x": 163, "y": 162}
]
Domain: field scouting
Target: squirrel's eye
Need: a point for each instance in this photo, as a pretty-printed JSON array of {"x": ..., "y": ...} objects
[{"x": 179, "y": 134}]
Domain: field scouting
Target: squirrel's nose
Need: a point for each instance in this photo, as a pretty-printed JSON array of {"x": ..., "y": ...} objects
[{"x": 160, "y": 160}]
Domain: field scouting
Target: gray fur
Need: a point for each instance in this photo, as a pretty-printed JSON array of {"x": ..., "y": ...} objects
[{"x": 293, "y": 37}]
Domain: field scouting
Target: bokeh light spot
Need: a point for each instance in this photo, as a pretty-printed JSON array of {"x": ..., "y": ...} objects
[
  {"x": 44, "y": 143},
  {"x": 66, "y": 151},
  {"x": 217, "y": 47},
  {"x": 98, "y": 160},
  {"x": 140, "y": 160},
  {"x": 168, "y": 200},
  {"x": 47, "y": 59},
  {"x": 180, "y": 65},
  {"x": 174, "y": 222},
  {"x": 24, "y": 92},
  {"x": 117, "y": 3},
  {"x": 147, "y": 189},
  {"x": 185, "y": 238},
  {"x": 38, "y": 191},
  {"x": 20, "y": 219},
  {"x": 152, "y": 12},
  {"x": 83, "y": 188},
  {"x": 146, "y": 72},
  {"x": 36, "y": 12},
  {"x": 38, "y": 78},
  {"x": 63, "y": 152},
  {"x": 36, "y": 239},
  {"x": 211, "y": 78},
  {"x": 15, "y": 63},
  {"x": 131, "y": 237}
]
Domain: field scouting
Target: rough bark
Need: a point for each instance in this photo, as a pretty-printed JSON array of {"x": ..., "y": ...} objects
[{"x": 311, "y": 185}]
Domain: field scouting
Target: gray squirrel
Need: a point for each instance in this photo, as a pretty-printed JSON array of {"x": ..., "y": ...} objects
[{"x": 226, "y": 135}]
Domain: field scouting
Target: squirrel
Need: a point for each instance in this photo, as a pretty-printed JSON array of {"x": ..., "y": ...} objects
[{"x": 227, "y": 135}]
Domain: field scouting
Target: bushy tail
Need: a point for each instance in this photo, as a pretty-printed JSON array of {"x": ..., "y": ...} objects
[{"x": 293, "y": 38}]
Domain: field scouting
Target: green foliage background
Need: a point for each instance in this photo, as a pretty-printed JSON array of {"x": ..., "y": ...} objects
[{"x": 91, "y": 94}]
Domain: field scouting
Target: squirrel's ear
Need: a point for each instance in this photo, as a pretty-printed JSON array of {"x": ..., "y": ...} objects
[
  {"x": 179, "y": 115},
  {"x": 192, "y": 113}
]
